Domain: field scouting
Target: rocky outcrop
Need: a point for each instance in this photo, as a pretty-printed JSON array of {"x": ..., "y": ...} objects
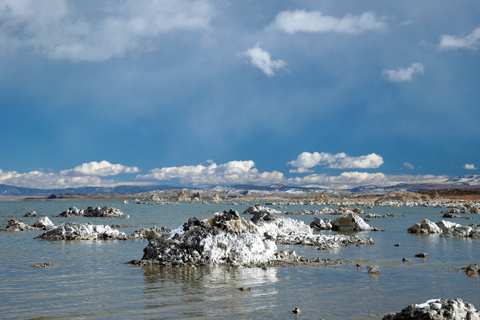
[
  {"x": 197, "y": 196},
  {"x": 30, "y": 214},
  {"x": 404, "y": 196},
  {"x": 321, "y": 224},
  {"x": 386, "y": 215},
  {"x": 350, "y": 222},
  {"x": 41, "y": 224},
  {"x": 437, "y": 309},
  {"x": 77, "y": 231},
  {"x": 182, "y": 196},
  {"x": 445, "y": 229},
  {"x": 44, "y": 224},
  {"x": 154, "y": 197},
  {"x": 259, "y": 210},
  {"x": 98, "y": 212},
  {"x": 71, "y": 212},
  {"x": 228, "y": 239},
  {"x": 425, "y": 226}
]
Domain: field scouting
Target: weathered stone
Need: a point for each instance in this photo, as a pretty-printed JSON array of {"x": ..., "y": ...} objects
[
  {"x": 44, "y": 224},
  {"x": 422, "y": 255},
  {"x": 350, "y": 222},
  {"x": 182, "y": 196},
  {"x": 373, "y": 269},
  {"x": 437, "y": 309},
  {"x": 30, "y": 214},
  {"x": 321, "y": 224},
  {"x": 71, "y": 212},
  {"x": 76, "y": 231},
  {"x": 425, "y": 226},
  {"x": 104, "y": 212}
]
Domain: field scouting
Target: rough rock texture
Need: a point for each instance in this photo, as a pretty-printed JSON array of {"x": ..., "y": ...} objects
[
  {"x": 437, "y": 309},
  {"x": 104, "y": 212},
  {"x": 197, "y": 196},
  {"x": 228, "y": 239},
  {"x": 99, "y": 212},
  {"x": 425, "y": 226},
  {"x": 224, "y": 239},
  {"x": 350, "y": 222},
  {"x": 77, "y": 231},
  {"x": 258, "y": 210},
  {"x": 30, "y": 214},
  {"x": 41, "y": 224},
  {"x": 17, "y": 225},
  {"x": 71, "y": 213},
  {"x": 44, "y": 224},
  {"x": 386, "y": 215},
  {"x": 319, "y": 224},
  {"x": 182, "y": 196},
  {"x": 445, "y": 228}
]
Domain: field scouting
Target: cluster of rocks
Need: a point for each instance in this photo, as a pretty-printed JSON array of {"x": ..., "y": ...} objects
[
  {"x": 386, "y": 215},
  {"x": 228, "y": 239},
  {"x": 437, "y": 309},
  {"x": 30, "y": 214},
  {"x": 471, "y": 270},
  {"x": 88, "y": 231},
  {"x": 41, "y": 224},
  {"x": 346, "y": 222},
  {"x": 158, "y": 203},
  {"x": 98, "y": 212},
  {"x": 445, "y": 229}
]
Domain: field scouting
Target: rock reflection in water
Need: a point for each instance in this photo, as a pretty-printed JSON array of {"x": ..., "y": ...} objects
[{"x": 208, "y": 291}]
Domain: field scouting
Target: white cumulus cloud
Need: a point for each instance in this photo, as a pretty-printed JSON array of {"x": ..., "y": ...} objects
[
  {"x": 87, "y": 174},
  {"x": 261, "y": 59},
  {"x": 233, "y": 172},
  {"x": 315, "y": 21},
  {"x": 449, "y": 42},
  {"x": 97, "y": 31},
  {"x": 408, "y": 165},
  {"x": 336, "y": 161},
  {"x": 469, "y": 166},
  {"x": 401, "y": 75}
]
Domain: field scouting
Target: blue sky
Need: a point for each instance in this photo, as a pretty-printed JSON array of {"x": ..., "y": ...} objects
[{"x": 328, "y": 93}]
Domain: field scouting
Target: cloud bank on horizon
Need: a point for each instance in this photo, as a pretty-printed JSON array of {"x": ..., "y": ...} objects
[{"x": 164, "y": 85}]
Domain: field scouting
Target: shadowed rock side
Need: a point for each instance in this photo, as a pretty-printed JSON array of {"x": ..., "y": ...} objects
[
  {"x": 228, "y": 239},
  {"x": 437, "y": 309}
]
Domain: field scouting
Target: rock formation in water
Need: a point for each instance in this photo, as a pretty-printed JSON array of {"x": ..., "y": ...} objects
[
  {"x": 321, "y": 224},
  {"x": 182, "y": 196},
  {"x": 229, "y": 239},
  {"x": 350, "y": 222},
  {"x": 437, "y": 309},
  {"x": 445, "y": 229},
  {"x": 88, "y": 231},
  {"x": 98, "y": 212},
  {"x": 41, "y": 224}
]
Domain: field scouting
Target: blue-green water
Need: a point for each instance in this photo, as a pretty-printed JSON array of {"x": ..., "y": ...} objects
[{"x": 90, "y": 280}]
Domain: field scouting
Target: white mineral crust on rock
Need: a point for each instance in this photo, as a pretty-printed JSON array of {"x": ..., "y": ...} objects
[
  {"x": 425, "y": 226},
  {"x": 350, "y": 222}
]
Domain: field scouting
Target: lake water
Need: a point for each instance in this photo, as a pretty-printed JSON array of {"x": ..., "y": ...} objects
[{"x": 90, "y": 280}]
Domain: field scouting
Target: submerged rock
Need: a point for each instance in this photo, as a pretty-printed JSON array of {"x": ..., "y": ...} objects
[
  {"x": 437, "y": 309},
  {"x": 350, "y": 222}
]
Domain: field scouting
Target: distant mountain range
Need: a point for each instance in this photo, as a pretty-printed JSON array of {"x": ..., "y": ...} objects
[{"x": 461, "y": 182}]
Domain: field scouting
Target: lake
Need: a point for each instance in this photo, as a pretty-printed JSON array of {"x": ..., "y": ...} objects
[{"x": 90, "y": 280}]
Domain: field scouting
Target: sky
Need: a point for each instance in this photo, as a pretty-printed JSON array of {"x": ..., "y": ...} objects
[{"x": 333, "y": 93}]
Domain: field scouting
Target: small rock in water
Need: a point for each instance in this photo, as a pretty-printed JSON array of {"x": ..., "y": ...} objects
[
  {"x": 245, "y": 289},
  {"x": 405, "y": 260},
  {"x": 422, "y": 255},
  {"x": 297, "y": 310},
  {"x": 41, "y": 265},
  {"x": 373, "y": 269},
  {"x": 397, "y": 245}
]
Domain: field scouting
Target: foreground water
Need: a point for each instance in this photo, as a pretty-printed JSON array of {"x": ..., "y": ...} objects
[{"x": 90, "y": 280}]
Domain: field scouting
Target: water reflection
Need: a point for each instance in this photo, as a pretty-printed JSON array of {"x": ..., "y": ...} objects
[{"x": 208, "y": 291}]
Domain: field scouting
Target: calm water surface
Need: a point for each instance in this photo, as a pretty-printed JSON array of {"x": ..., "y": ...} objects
[{"x": 90, "y": 280}]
